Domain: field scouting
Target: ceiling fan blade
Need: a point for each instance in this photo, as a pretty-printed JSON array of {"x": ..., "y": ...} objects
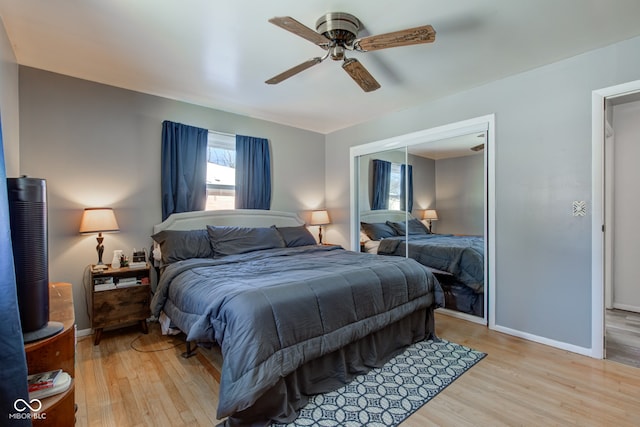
[
  {"x": 360, "y": 74},
  {"x": 293, "y": 71},
  {"x": 290, "y": 24},
  {"x": 417, "y": 35}
]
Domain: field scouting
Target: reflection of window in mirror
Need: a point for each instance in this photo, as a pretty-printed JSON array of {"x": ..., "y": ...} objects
[{"x": 394, "y": 187}]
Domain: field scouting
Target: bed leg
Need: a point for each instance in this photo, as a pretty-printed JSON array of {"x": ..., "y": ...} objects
[{"x": 190, "y": 351}]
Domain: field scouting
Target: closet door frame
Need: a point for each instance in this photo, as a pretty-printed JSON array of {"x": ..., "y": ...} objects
[{"x": 478, "y": 124}]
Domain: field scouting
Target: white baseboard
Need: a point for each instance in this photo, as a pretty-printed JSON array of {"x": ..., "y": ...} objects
[
  {"x": 464, "y": 316},
  {"x": 546, "y": 341},
  {"x": 84, "y": 332},
  {"x": 626, "y": 307}
]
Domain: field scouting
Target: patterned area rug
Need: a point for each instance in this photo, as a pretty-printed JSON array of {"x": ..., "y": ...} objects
[{"x": 386, "y": 396}]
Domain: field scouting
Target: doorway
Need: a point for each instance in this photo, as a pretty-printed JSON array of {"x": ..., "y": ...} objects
[{"x": 616, "y": 293}]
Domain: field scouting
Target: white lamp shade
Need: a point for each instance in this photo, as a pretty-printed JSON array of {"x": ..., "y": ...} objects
[
  {"x": 430, "y": 214},
  {"x": 320, "y": 217},
  {"x": 98, "y": 220}
]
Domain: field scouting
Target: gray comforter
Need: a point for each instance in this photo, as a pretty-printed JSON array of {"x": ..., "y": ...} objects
[
  {"x": 273, "y": 310},
  {"x": 462, "y": 256}
]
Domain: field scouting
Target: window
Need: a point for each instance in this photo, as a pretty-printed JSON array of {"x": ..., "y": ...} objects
[
  {"x": 221, "y": 171},
  {"x": 394, "y": 186}
]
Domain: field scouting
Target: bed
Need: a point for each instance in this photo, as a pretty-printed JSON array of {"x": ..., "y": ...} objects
[
  {"x": 456, "y": 261},
  {"x": 292, "y": 318}
]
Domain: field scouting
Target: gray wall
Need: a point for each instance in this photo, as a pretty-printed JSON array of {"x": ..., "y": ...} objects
[
  {"x": 9, "y": 112},
  {"x": 460, "y": 195},
  {"x": 98, "y": 145},
  {"x": 424, "y": 184},
  {"x": 543, "y": 163}
]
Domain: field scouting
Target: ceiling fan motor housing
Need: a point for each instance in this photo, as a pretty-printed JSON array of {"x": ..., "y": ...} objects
[{"x": 339, "y": 27}]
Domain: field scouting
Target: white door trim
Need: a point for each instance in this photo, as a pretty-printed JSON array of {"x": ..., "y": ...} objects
[{"x": 598, "y": 267}]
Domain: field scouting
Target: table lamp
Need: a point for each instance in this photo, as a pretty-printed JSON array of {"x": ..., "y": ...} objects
[
  {"x": 430, "y": 215},
  {"x": 99, "y": 220},
  {"x": 320, "y": 218}
]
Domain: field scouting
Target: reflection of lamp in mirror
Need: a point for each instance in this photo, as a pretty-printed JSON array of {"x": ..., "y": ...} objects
[
  {"x": 430, "y": 215},
  {"x": 99, "y": 220},
  {"x": 320, "y": 218}
]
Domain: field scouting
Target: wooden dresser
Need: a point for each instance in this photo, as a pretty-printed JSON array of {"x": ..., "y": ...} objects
[{"x": 57, "y": 352}]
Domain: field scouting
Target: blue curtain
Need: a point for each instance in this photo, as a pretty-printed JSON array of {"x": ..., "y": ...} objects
[
  {"x": 183, "y": 168},
  {"x": 253, "y": 173},
  {"x": 381, "y": 184},
  {"x": 406, "y": 187},
  {"x": 13, "y": 372}
]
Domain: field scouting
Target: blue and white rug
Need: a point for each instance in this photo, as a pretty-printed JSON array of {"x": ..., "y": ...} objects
[{"x": 387, "y": 396}]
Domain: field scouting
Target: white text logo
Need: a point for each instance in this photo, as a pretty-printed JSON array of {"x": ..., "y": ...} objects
[{"x": 34, "y": 406}]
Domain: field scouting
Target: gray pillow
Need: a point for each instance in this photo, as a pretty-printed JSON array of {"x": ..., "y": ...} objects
[
  {"x": 296, "y": 236},
  {"x": 378, "y": 230},
  {"x": 415, "y": 227},
  {"x": 177, "y": 245},
  {"x": 239, "y": 240}
]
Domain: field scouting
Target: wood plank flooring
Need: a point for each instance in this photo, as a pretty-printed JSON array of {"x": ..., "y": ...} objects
[
  {"x": 519, "y": 383},
  {"x": 622, "y": 337}
]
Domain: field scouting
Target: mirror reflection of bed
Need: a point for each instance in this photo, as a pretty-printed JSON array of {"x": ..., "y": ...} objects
[
  {"x": 446, "y": 176},
  {"x": 457, "y": 261}
]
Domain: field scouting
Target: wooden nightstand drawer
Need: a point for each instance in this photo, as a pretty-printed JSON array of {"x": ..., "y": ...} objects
[{"x": 120, "y": 306}]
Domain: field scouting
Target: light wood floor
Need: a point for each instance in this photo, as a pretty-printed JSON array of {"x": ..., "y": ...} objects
[
  {"x": 622, "y": 337},
  {"x": 519, "y": 383}
]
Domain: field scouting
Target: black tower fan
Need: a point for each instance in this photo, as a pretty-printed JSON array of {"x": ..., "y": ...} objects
[{"x": 28, "y": 218}]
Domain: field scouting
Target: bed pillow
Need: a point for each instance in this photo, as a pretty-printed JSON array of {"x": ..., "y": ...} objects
[
  {"x": 238, "y": 240},
  {"x": 415, "y": 227},
  {"x": 378, "y": 230},
  {"x": 177, "y": 245},
  {"x": 296, "y": 236}
]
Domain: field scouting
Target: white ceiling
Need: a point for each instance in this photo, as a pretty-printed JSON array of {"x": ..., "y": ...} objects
[{"x": 219, "y": 53}]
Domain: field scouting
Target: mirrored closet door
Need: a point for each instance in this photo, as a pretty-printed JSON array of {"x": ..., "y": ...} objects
[{"x": 426, "y": 198}]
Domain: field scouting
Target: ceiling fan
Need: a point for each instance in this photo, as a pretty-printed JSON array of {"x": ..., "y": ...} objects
[{"x": 336, "y": 33}]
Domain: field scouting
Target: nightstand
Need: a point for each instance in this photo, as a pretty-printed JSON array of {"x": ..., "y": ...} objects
[{"x": 119, "y": 296}]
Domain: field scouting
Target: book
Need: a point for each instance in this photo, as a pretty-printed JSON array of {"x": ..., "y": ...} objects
[
  {"x": 102, "y": 280},
  {"x": 42, "y": 380},
  {"x": 128, "y": 283},
  {"x": 138, "y": 264},
  {"x": 104, "y": 287},
  {"x": 60, "y": 385}
]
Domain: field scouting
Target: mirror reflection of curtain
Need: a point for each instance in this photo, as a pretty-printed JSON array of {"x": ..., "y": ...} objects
[
  {"x": 381, "y": 184},
  {"x": 253, "y": 173},
  {"x": 406, "y": 187},
  {"x": 183, "y": 168}
]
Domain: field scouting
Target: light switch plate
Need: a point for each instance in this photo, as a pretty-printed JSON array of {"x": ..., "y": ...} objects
[{"x": 579, "y": 208}]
